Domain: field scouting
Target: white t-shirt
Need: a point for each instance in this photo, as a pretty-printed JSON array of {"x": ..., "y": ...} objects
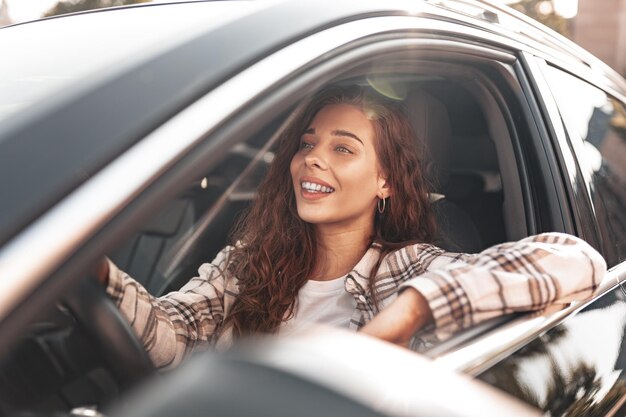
[{"x": 321, "y": 302}]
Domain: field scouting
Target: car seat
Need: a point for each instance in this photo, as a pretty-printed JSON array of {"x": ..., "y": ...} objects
[{"x": 431, "y": 123}]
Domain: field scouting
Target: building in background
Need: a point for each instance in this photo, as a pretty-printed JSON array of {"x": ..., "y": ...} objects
[
  {"x": 600, "y": 27},
  {"x": 5, "y": 19}
]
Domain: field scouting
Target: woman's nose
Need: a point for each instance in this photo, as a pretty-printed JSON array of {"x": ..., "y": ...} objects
[{"x": 315, "y": 158}]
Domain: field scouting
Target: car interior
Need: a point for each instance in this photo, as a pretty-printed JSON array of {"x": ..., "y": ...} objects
[{"x": 471, "y": 164}]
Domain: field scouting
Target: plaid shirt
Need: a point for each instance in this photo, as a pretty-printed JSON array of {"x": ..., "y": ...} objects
[{"x": 461, "y": 289}]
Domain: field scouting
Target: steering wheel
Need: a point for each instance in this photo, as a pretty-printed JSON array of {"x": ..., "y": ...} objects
[{"x": 103, "y": 322}]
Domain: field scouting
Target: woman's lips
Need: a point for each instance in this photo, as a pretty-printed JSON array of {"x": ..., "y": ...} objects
[
  {"x": 308, "y": 188},
  {"x": 309, "y": 195}
]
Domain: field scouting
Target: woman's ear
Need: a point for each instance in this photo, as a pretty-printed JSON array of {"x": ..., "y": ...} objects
[{"x": 384, "y": 190}]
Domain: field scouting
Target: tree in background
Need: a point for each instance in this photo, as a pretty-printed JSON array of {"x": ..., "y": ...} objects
[
  {"x": 71, "y": 6},
  {"x": 544, "y": 12}
]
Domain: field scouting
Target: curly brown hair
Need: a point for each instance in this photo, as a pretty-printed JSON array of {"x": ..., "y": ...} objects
[{"x": 277, "y": 251}]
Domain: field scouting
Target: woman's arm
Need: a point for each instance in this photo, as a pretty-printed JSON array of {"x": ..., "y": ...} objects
[
  {"x": 531, "y": 274},
  {"x": 171, "y": 326},
  {"x": 402, "y": 319}
]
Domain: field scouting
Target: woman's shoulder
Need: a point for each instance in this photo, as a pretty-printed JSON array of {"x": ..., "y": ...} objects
[
  {"x": 219, "y": 266},
  {"x": 419, "y": 249},
  {"x": 424, "y": 254}
]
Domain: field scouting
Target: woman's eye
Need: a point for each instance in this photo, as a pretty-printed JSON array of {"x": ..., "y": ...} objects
[
  {"x": 343, "y": 149},
  {"x": 305, "y": 145}
]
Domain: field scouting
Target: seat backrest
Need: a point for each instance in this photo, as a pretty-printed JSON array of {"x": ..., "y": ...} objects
[{"x": 431, "y": 124}]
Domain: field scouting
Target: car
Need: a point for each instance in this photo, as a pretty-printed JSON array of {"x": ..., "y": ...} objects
[{"x": 142, "y": 132}]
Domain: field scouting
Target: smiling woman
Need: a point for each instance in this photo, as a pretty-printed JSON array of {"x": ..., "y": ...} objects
[{"x": 359, "y": 144}]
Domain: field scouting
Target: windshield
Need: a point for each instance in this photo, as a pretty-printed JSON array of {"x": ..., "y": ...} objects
[{"x": 47, "y": 57}]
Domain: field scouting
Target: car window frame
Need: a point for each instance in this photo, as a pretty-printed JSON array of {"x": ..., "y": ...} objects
[{"x": 491, "y": 100}]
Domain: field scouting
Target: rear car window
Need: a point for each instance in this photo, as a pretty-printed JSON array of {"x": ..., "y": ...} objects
[{"x": 596, "y": 123}]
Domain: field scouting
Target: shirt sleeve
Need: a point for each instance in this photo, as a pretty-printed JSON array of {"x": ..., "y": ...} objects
[
  {"x": 531, "y": 274},
  {"x": 173, "y": 325}
]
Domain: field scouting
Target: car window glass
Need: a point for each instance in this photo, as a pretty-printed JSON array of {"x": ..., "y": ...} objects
[
  {"x": 597, "y": 126},
  {"x": 575, "y": 369}
]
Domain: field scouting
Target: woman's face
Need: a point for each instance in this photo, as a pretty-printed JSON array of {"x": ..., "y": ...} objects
[{"x": 335, "y": 173}]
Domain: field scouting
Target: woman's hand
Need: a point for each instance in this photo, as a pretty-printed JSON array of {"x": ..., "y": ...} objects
[{"x": 399, "y": 322}]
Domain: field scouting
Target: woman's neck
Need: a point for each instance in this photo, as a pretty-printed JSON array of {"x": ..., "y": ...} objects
[{"x": 338, "y": 251}]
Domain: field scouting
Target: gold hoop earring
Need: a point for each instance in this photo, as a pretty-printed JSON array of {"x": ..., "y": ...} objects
[{"x": 381, "y": 210}]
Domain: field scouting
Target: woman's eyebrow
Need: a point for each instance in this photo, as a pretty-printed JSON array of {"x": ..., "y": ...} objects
[
  {"x": 341, "y": 132},
  {"x": 337, "y": 132}
]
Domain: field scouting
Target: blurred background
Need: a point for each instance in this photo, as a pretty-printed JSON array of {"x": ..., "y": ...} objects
[{"x": 597, "y": 25}]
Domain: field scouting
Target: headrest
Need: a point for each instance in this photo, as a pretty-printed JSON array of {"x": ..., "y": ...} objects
[{"x": 431, "y": 123}]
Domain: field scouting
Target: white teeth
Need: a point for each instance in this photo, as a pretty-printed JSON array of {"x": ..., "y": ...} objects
[{"x": 312, "y": 187}]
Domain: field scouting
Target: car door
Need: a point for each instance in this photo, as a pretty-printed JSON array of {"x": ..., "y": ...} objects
[{"x": 576, "y": 367}]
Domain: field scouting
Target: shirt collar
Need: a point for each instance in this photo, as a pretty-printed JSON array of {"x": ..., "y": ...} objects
[{"x": 357, "y": 280}]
